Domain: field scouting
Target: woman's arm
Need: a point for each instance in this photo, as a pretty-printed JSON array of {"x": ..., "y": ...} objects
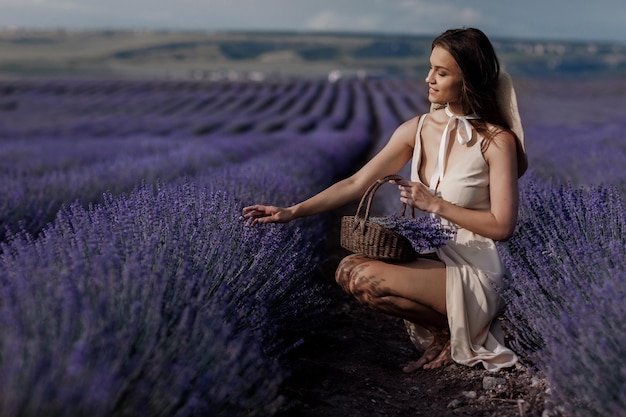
[
  {"x": 389, "y": 160},
  {"x": 498, "y": 223}
]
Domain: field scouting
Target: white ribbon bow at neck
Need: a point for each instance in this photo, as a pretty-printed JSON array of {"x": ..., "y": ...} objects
[
  {"x": 464, "y": 127},
  {"x": 463, "y": 136}
]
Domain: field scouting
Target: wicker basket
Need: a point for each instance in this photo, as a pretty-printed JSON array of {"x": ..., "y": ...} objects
[{"x": 362, "y": 236}]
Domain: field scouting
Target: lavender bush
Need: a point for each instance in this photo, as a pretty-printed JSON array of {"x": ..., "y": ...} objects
[
  {"x": 158, "y": 303},
  {"x": 101, "y": 311},
  {"x": 567, "y": 262},
  {"x": 585, "y": 349}
]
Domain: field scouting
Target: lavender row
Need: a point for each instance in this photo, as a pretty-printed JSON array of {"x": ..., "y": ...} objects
[
  {"x": 38, "y": 111},
  {"x": 566, "y": 295},
  {"x": 158, "y": 303},
  {"x": 118, "y": 96},
  {"x": 568, "y": 255},
  {"x": 40, "y": 173},
  {"x": 574, "y": 129},
  {"x": 130, "y": 108},
  {"x": 30, "y": 199},
  {"x": 161, "y": 301},
  {"x": 581, "y": 155},
  {"x": 31, "y": 195}
]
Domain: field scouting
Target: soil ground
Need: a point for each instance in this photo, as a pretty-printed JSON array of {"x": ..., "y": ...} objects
[{"x": 353, "y": 367}]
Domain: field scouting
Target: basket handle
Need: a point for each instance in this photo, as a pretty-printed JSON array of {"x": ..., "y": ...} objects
[{"x": 369, "y": 195}]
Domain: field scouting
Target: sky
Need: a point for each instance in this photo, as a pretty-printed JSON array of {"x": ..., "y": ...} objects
[{"x": 594, "y": 20}]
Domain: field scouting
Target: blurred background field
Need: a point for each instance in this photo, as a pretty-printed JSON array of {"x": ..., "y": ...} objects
[
  {"x": 262, "y": 55},
  {"x": 129, "y": 285}
]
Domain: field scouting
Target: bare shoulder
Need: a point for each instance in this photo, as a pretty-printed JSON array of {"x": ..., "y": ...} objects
[
  {"x": 410, "y": 124},
  {"x": 407, "y": 130},
  {"x": 501, "y": 147},
  {"x": 503, "y": 140}
]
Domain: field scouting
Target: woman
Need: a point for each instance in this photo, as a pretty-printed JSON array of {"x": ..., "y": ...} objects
[{"x": 466, "y": 161}]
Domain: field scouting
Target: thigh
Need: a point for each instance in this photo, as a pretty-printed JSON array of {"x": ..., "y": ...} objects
[{"x": 422, "y": 281}]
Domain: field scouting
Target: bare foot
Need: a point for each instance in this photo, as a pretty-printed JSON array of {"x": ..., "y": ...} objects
[
  {"x": 440, "y": 343},
  {"x": 443, "y": 359}
]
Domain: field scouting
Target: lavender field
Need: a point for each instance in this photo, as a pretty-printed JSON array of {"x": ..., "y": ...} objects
[{"x": 129, "y": 284}]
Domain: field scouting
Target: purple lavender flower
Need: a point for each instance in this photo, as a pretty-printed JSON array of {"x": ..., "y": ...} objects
[
  {"x": 567, "y": 261},
  {"x": 424, "y": 232}
]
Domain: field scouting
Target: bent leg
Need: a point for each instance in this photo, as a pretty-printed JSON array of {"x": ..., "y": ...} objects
[{"x": 414, "y": 291}]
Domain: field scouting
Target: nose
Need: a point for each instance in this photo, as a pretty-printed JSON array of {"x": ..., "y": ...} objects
[{"x": 429, "y": 77}]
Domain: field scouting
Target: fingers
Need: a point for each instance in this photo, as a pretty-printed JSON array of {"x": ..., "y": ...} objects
[
  {"x": 414, "y": 194},
  {"x": 406, "y": 187},
  {"x": 256, "y": 210},
  {"x": 406, "y": 192},
  {"x": 262, "y": 214},
  {"x": 253, "y": 221},
  {"x": 253, "y": 214},
  {"x": 256, "y": 207},
  {"x": 401, "y": 182}
]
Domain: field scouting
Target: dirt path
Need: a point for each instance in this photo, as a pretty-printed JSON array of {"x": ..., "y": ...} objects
[{"x": 353, "y": 367}]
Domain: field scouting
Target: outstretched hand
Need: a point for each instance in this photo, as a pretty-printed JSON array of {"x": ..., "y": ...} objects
[
  {"x": 266, "y": 214},
  {"x": 416, "y": 194}
]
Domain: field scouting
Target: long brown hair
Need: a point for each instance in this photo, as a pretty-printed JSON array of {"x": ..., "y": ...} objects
[
  {"x": 480, "y": 67},
  {"x": 475, "y": 56}
]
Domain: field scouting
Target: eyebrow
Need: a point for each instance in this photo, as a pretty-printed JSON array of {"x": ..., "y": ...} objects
[{"x": 440, "y": 67}]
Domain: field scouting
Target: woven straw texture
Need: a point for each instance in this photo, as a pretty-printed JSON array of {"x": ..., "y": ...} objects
[{"x": 362, "y": 236}]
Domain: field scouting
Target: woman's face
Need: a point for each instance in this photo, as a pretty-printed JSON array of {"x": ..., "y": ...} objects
[{"x": 444, "y": 78}]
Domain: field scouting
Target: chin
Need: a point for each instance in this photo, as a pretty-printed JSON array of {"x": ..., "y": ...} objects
[
  {"x": 435, "y": 101},
  {"x": 436, "y": 104}
]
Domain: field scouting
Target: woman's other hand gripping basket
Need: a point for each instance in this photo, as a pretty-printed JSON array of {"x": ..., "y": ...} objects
[{"x": 394, "y": 237}]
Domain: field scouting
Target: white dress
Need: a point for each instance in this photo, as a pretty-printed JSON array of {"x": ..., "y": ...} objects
[{"x": 474, "y": 268}]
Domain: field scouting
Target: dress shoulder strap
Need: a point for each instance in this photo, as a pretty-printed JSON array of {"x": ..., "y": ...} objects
[{"x": 420, "y": 123}]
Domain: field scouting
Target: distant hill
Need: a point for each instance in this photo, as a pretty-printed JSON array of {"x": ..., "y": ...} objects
[{"x": 263, "y": 55}]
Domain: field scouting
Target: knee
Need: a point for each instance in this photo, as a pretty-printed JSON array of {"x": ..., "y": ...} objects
[
  {"x": 353, "y": 277},
  {"x": 345, "y": 270}
]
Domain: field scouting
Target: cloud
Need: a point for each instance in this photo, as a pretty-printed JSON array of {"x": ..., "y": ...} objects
[
  {"x": 331, "y": 20},
  {"x": 428, "y": 16},
  {"x": 469, "y": 16},
  {"x": 409, "y": 16},
  {"x": 530, "y": 18}
]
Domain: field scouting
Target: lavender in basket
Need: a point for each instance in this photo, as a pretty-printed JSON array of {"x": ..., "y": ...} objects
[{"x": 424, "y": 232}]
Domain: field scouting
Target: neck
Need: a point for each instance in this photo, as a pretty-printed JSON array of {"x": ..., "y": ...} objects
[
  {"x": 454, "y": 115},
  {"x": 456, "y": 109}
]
